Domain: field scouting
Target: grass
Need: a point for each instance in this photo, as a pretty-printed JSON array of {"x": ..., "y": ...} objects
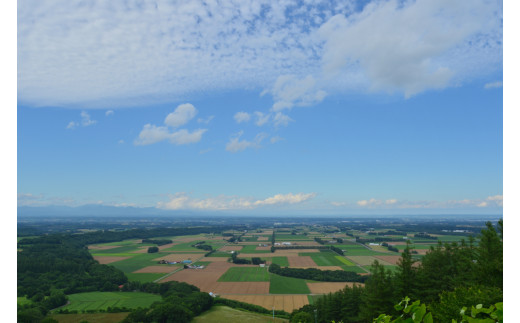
[
  {"x": 145, "y": 277},
  {"x": 220, "y": 254},
  {"x": 323, "y": 258},
  {"x": 287, "y": 285},
  {"x": 94, "y": 317},
  {"x": 137, "y": 262},
  {"x": 345, "y": 261},
  {"x": 185, "y": 246},
  {"x": 219, "y": 314},
  {"x": 281, "y": 261},
  {"x": 245, "y": 274},
  {"x": 102, "y": 300}
]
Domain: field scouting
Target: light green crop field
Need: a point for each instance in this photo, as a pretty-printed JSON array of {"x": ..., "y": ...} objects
[
  {"x": 287, "y": 285},
  {"x": 245, "y": 274},
  {"x": 102, "y": 300},
  {"x": 281, "y": 261},
  {"x": 218, "y": 314},
  {"x": 345, "y": 261},
  {"x": 323, "y": 258}
]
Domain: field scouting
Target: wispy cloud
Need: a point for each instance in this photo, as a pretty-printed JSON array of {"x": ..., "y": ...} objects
[
  {"x": 491, "y": 201},
  {"x": 180, "y": 201},
  {"x": 235, "y": 144},
  {"x": 109, "y": 113},
  {"x": 242, "y": 117},
  {"x": 156, "y": 53},
  {"x": 493, "y": 85}
]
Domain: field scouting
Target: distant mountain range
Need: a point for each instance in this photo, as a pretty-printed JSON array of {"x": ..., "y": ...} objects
[{"x": 96, "y": 210}]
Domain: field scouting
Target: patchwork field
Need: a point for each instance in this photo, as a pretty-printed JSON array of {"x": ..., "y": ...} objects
[
  {"x": 226, "y": 314},
  {"x": 367, "y": 260},
  {"x": 287, "y": 303},
  {"x": 181, "y": 256},
  {"x": 102, "y": 300},
  {"x": 301, "y": 261},
  {"x": 287, "y": 285},
  {"x": 156, "y": 269},
  {"x": 245, "y": 274}
]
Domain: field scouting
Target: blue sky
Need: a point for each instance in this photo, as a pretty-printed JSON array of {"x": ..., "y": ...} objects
[{"x": 384, "y": 107}]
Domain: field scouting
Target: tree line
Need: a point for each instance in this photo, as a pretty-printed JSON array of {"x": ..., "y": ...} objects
[{"x": 451, "y": 276}]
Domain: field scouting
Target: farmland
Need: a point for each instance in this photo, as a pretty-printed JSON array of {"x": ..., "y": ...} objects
[
  {"x": 322, "y": 248},
  {"x": 103, "y": 300}
]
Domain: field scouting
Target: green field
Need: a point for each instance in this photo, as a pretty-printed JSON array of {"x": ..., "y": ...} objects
[
  {"x": 291, "y": 237},
  {"x": 281, "y": 261},
  {"x": 220, "y": 254},
  {"x": 324, "y": 258},
  {"x": 245, "y": 274},
  {"x": 94, "y": 317},
  {"x": 145, "y": 277},
  {"x": 137, "y": 262},
  {"x": 226, "y": 314},
  {"x": 287, "y": 285},
  {"x": 345, "y": 261},
  {"x": 391, "y": 268},
  {"x": 102, "y": 300}
]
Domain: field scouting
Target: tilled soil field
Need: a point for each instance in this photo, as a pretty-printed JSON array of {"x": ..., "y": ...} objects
[{"x": 287, "y": 303}]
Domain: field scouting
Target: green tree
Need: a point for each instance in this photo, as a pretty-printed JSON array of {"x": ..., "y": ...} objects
[
  {"x": 405, "y": 277},
  {"x": 489, "y": 269},
  {"x": 378, "y": 296}
]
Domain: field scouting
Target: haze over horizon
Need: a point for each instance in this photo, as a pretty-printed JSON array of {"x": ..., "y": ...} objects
[{"x": 326, "y": 107}]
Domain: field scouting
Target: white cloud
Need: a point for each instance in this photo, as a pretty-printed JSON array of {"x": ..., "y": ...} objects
[
  {"x": 289, "y": 91},
  {"x": 493, "y": 85},
  {"x": 483, "y": 204},
  {"x": 415, "y": 45},
  {"x": 181, "y": 115},
  {"x": 498, "y": 199},
  {"x": 276, "y": 139},
  {"x": 242, "y": 117},
  {"x": 390, "y": 201},
  {"x": 109, "y": 113},
  {"x": 85, "y": 119},
  {"x": 152, "y": 134},
  {"x": 180, "y": 201},
  {"x": 116, "y": 54},
  {"x": 281, "y": 119},
  {"x": 72, "y": 125},
  {"x": 338, "y": 204},
  {"x": 261, "y": 118},
  {"x": 235, "y": 144},
  {"x": 121, "y": 141},
  {"x": 205, "y": 121}
]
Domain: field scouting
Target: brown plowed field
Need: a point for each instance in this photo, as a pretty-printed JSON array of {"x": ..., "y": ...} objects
[
  {"x": 141, "y": 250},
  {"x": 202, "y": 278},
  {"x": 206, "y": 280},
  {"x": 156, "y": 270},
  {"x": 390, "y": 259},
  {"x": 329, "y": 287},
  {"x": 213, "y": 259},
  {"x": 303, "y": 261},
  {"x": 287, "y": 303},
  {"x": 108, "y": 260},
  {"x": 102, "y": 247},
  {"x": 180, "y": 257},
  {"x": 231, "y": 248}
]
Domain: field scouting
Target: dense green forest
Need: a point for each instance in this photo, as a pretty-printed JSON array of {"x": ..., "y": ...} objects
[{"x": 451, "y": 276}]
